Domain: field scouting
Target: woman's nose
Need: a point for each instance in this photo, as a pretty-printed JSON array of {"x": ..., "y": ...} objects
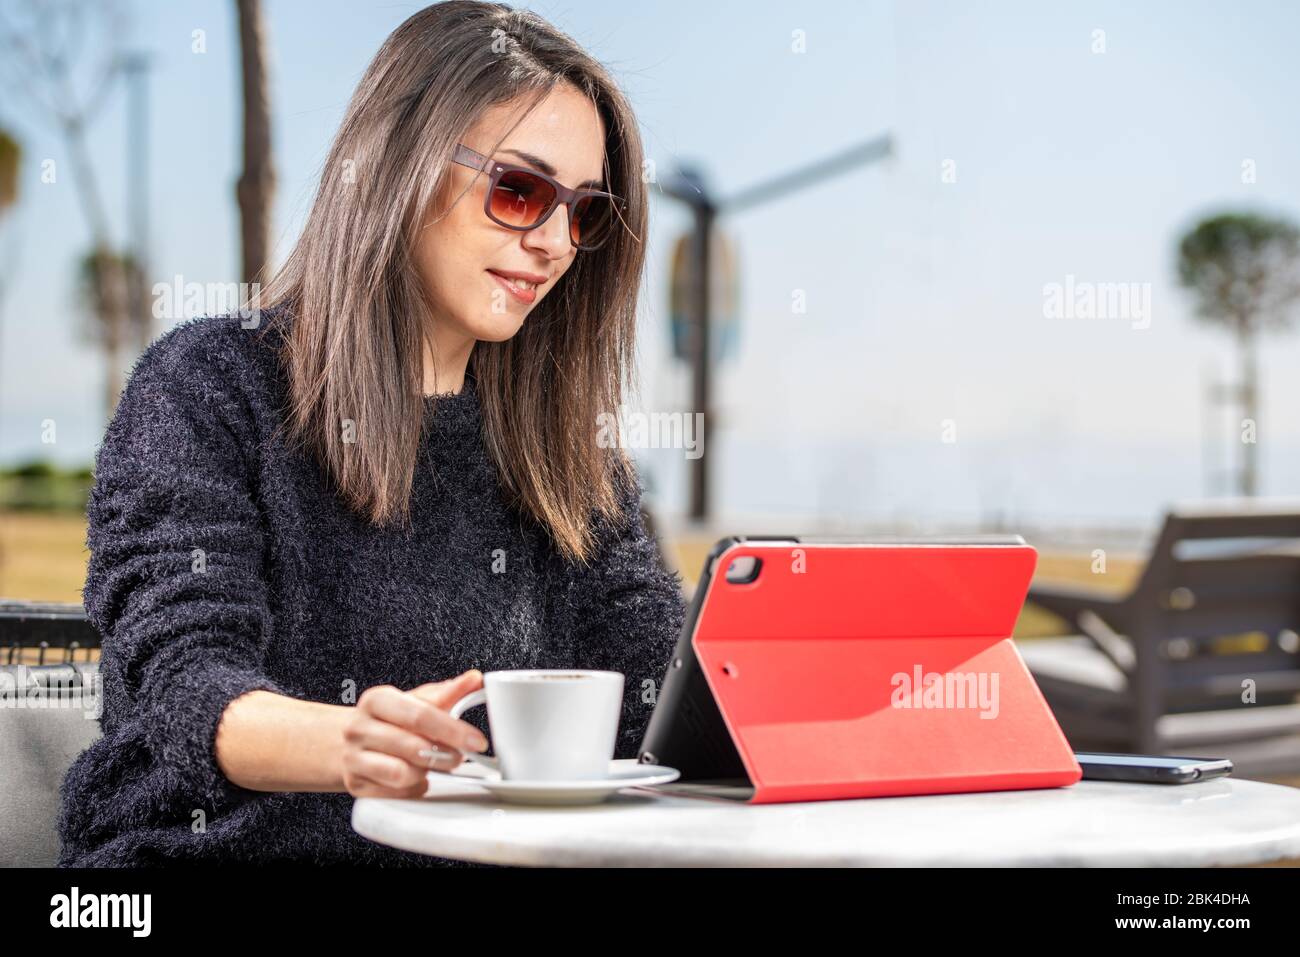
[{"x": 553, "y": 235}]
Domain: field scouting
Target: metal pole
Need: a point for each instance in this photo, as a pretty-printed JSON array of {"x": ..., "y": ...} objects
[
  {"x": 702, "y": 381},
  {"x": 687, "y": 186}
]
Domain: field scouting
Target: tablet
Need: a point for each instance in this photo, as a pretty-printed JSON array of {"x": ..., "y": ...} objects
[{"x": 788, "y": 679}]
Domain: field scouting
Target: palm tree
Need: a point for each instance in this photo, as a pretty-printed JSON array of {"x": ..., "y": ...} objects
[
  {"x": 256, "y": 187},
  {"x": 1244, "y": 270},
  {"x": 11, "y": 155},
  {"x": 35, "y": 60},
  {"x": 103, "y": 283}
]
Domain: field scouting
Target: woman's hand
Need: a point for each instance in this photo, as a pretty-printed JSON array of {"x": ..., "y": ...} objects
[{"x": 383, "y": 740}]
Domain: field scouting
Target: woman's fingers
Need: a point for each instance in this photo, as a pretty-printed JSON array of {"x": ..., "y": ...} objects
[
  {"x": 397, "y": 736},
  {"x": 415, "y": 714},
  {"x": 444, "y": 694},
  {"x": 374, "y": 735},
  {"x": 381, "y": 775}
]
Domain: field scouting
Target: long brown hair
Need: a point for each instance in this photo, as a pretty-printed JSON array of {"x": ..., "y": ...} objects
[{"x": 360, "y": 321}]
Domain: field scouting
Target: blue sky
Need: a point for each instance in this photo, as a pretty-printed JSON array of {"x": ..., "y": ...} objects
[{"x": 924, "y": 296}]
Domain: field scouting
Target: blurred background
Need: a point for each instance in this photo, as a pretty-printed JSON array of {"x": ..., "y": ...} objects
[
  {"x": 947, "y": 283},
  {"x": 1008, "y": 268}
]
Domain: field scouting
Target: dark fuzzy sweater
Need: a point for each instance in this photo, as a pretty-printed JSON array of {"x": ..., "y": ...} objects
[{"x": 294, "y": 593}]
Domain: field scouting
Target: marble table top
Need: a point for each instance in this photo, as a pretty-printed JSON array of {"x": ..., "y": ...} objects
[{"x": 1092, "y": 823}]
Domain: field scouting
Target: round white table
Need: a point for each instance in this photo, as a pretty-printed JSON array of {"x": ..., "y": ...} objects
[{"x": 1092, "y": 824}]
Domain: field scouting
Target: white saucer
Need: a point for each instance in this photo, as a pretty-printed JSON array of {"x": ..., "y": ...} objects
[{"x": 623, "y": 773}]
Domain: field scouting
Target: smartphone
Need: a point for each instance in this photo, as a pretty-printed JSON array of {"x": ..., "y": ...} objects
[{"x": 1150, "y": 768}]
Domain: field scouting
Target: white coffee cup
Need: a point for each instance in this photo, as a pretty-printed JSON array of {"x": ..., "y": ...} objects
[{"x": 548, "y": 724}]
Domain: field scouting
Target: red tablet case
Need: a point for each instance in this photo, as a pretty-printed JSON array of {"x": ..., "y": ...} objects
[{"x": 804, "y": 663}]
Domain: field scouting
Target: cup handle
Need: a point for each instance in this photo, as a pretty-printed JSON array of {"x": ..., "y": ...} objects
[{"x": 471, "y": 700}]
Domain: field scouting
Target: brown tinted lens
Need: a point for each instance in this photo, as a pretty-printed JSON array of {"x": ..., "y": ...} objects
[
  {"x": 521, "y": 199},
  {"x": 593, "y": 219}
]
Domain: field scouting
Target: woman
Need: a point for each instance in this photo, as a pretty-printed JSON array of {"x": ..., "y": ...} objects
[{"x": 301, "y": 529}]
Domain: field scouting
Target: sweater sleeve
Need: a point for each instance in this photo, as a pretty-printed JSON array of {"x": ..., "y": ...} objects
[
  {"x": 623, "y": 612},
  {"x": 175, "y": 583}
]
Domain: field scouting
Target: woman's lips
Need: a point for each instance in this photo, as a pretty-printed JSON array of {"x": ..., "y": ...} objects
[{"x": 526, "y": 296}]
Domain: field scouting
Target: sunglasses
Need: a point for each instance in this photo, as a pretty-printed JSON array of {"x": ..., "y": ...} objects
[{"x": 522, "y": 198}]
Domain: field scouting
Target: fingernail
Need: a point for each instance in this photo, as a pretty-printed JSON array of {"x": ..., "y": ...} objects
[
  {"x": 478, "y": 742},
  {"x": 432, "y": 755}
]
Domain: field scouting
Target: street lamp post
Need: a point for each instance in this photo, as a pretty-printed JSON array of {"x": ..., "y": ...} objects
[{"x": 687, "y": 186}]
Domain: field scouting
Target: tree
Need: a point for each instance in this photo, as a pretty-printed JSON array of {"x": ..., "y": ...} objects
[
  {"x": 1244, "y": 272},
  {"x": 43, "y": 55},
  {"x": 256, "y": 187},
  {"x": 11, "y": 155},
  {"x": 92, "y": 287}
]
